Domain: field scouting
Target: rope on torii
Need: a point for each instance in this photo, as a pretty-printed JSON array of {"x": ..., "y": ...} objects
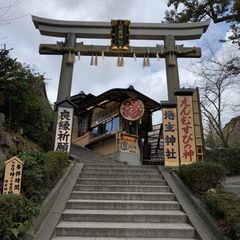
[{"x": 145, "y": 52}]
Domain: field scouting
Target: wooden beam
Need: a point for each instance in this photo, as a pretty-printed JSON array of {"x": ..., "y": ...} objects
[{"x": 89, "y": 50}]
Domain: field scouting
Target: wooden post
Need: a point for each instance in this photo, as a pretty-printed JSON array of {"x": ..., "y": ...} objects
[{"x": 65, "y": 82}]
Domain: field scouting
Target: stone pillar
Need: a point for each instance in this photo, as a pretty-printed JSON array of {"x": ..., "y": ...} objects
[
  {"x": 171, "y": 69},
  {"x": 65, "y": 82}
]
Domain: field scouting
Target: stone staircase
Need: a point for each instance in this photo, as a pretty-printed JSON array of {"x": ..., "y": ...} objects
[
  {"x": 84, "y": 155},
  {"x": 115, "y": 201}
]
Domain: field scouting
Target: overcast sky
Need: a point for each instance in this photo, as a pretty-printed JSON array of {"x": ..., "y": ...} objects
[{"x": 21, "y": 35}]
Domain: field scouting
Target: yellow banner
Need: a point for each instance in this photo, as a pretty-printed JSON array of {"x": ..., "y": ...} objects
[
  {"x": 186, "y": 130},
  {"x": 170, "y": 137}
]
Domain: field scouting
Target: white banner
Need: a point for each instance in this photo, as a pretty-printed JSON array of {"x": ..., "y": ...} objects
[{"x": 64, "y": 129}]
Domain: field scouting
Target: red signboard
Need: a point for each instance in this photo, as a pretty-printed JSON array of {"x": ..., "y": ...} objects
[{"x": 132, "y": 109}]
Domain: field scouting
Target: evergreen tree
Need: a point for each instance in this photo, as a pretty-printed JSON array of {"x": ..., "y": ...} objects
[
  {"x": 196, "y": 10},
  {"x": 23, "y": 100}
]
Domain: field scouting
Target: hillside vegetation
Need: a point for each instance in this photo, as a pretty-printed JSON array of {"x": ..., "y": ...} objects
[{"x": 23, "y": 101}]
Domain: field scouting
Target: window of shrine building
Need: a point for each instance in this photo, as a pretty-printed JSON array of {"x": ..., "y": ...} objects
[{"x": 106, "y": 127}]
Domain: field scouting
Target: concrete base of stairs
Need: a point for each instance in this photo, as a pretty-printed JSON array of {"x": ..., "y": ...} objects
[
  {"x": 48, "y": 224},
  {"x": 194, "y": 209}
]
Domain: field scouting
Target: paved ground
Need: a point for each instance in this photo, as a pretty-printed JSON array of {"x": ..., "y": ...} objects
[{"x": 233, "y": 184}]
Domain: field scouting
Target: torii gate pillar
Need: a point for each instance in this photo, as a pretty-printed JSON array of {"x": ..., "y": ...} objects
[
  {"x": 172, "y": 70},
  {"x": 65, "y": 81}
]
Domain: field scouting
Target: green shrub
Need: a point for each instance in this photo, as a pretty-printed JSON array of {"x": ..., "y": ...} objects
[
  {"x": 228, "y": 157},
  {"x": 55, "y": 163},
  {"x": 16, "y": 213},
  {"x": 41, "y": 171},
  {"x": 226, "y": 206},
  {"x": 34, "y": 184},
  {"x": 202, "y": 176}
]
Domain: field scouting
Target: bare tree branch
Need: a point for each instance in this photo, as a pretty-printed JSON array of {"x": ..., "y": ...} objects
[{"x": 217, "y": 76}]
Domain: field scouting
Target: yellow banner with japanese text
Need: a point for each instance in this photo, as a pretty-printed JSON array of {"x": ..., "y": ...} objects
[
  {"x": 187, "y": 146},
  {"x": 170, "y": 137}
]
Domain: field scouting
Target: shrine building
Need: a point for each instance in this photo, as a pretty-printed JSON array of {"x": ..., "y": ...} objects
[{"x": 115, "y": 123}]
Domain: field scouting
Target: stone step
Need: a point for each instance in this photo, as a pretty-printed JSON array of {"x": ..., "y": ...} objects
[
  {"x": 121, "y": 188},
  {"x": 123, "y": 196},
  {"x": 121, "y": 204},
  {"x": 107, "y": 181},
  {"x": 118, "y": 166},
  {"x": 120, "y": 176},
  {"x": 123, "y": 216},
  {"x": 116, "y": 238},
  {"x": 119, "y": 229},
  {"x": 154, "y": 172},
  {"x": 99, "y": 162}
]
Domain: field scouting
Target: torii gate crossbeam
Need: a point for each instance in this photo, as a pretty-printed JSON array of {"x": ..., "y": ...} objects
[{"x": 71, "y": 30}]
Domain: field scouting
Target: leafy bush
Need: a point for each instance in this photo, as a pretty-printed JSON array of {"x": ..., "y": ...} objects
[
  {"x": 16, "y": 213},
  {"x": 55, "y": 162},
  {"x": 41, "y": 171},
  {"x": 226, "y": 206},
  {"x": 228, "y": 157},
  {"x": 34, "y": 176},
  {"x": 202, "y": 176}
]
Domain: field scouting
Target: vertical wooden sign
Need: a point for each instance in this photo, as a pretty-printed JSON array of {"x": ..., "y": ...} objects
[
  {"x": 170, "y": 135},
  {"x": 64, "y": 129},
  {"x": 187, "y": 145},
  {"x": 13, "y": 176},
  {"x": 120, "y": 35}
]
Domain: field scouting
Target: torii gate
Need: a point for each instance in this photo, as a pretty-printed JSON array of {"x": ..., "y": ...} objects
[{"x": 71, "y": 30}]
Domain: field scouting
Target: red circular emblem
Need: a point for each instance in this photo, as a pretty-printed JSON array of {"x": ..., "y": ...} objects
[{"x": 132, "y": 109}]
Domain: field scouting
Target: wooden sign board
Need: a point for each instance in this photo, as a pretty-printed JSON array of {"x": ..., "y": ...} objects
[
  {"x": 120, "y": 35},
  {"x": 132, "y": 109},
  {"x": 170, "y": 137},
  {"x": 126, "y": 143},
  {"x": 13, "y": 176},
  {"x": 186, "y": 129}
]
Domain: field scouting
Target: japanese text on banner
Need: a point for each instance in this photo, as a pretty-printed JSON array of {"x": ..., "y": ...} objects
[
  {"x": 170, "y": 136},
  {"x": 186, "y": 130}
]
